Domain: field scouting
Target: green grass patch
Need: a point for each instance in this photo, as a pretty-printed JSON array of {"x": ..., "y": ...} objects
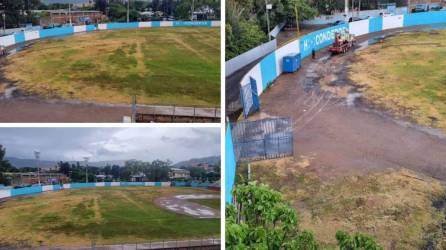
[
  {"x": 108, "y": 215},
  {"x": 161, "y": 66},
  {"x": 405, "y": 75}
]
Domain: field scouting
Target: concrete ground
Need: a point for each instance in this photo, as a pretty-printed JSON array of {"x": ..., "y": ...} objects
[{"x": 339, "y": 132}]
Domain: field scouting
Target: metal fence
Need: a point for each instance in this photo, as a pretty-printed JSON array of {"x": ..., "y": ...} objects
[{"x": 263, "y": 139}]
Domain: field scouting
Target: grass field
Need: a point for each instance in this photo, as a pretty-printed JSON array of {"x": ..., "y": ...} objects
[
  {"x": 395, "y": 206},
  {"x": 406, "y": 75},
  {"x": 160, "y": 65},
  {"x": 103, "y": 215}
]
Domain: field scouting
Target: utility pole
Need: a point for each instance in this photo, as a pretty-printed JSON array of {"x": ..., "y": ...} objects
[
  {"x": 86, "y": 168},
  {"x": 69, "y": 13},
  {"x": 346, "y": 10},
  {"x": 128, "y": 10},
  {"x": 268, "y": 7},
  {"x": 192, "y": 11},
  {"x": 37, "y": 156}
]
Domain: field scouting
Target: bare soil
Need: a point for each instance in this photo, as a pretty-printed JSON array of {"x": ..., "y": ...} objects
[{"x": 342, "y": 134}]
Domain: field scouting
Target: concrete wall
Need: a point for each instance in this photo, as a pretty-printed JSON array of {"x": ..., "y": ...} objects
[
  {"x": 5, "y": 193},
  {"x": 249, "y": 56},
  {"x": 23, "y": 36}
]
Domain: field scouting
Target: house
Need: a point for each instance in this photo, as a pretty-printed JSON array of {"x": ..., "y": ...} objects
[
  {"x": 139, "y": 177},
  {"x": 178, "y": 173}
]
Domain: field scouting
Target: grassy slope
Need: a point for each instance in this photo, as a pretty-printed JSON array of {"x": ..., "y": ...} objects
[
  {"x": 161, "y": 65},
  {"x": 103, "y": 215},
  {"x": 394, "y": 206},
  {"x": 409, "y": 80}
]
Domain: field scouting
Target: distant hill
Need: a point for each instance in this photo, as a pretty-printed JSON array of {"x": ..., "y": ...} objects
[
  {"x": 212, "y": 160},
  {"x": 22, "y": 163}
]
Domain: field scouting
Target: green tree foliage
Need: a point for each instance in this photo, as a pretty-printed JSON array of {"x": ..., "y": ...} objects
[
  {"x": 246, "y": 21},
  {"x": 357, "y": 241},
  {"x": 260, "y": 219},
  {"x": 18, "y": 12},
  {"x": 5, "y": 166}
]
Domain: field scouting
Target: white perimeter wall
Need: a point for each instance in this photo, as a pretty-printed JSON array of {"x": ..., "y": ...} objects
[{"x": 249, "y": 56}]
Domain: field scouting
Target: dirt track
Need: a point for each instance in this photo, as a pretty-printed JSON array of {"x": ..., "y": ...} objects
[{"x": 343, "y": 136}]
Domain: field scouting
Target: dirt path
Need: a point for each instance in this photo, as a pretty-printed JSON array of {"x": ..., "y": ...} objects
[
  {"x": 343, "y": 136},
  {"x": 181, "y": 204}
]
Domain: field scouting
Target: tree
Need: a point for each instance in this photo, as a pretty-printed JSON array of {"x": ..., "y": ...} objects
[
  {"x": 5, "y": 166},
  {"x": 300, "y": 9},
  {"x": 260, "y": 219},
  {"x": 356, "y": 242}
]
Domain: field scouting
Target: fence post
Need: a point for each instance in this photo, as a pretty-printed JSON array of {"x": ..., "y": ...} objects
[
  {"x": 194, "y": 114},
  {"x": 173, "y": 115}
]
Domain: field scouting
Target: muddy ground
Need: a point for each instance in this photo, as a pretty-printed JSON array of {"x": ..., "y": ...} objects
[
  {"x": 183, "y": 204},
  {"x": 339, "y": 132}
]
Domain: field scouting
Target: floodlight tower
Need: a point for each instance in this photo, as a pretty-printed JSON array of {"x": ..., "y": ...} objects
[
  {"x": 192, "y": 11},
  {"x": 128, "y": 10},
  {"x": 37, "y": 156},
  {"x": 86, "y": 168}
]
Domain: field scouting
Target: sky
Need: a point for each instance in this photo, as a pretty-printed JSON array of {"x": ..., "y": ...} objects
[{"x": 107, "y": 144}]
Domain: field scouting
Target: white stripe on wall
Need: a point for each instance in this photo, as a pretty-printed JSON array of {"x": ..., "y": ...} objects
[
  {"x": 115, "y": 184},
  {"x": 5, "y": 193},
  {"x": 31, "y": 35},
  {"x": 7, "y": 40},
  {"x": 166, "y": 24},
  {"x": 100, "y": 184},
  {"x": 149, "y": 184},
  {"x": 144, "y": 24},
  {"x": 47, "y": 188},
  {"x": 81, "y": 28},
  {"x": 102, "y": 26},
  {"x": 359, "y": 28},
  {"x": 215, "y": 23},
  {"x": 165, "y": 184},
  {"x": 392, "y": 22},
  {"x": 67, "y": 186}
]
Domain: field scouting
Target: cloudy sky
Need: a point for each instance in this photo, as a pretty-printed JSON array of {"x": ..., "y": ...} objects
[{"x": 106, "y": 144}]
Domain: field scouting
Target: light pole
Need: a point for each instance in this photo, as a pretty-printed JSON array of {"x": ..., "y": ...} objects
[
  {"x": 268, "y": 7},
  {"x": 192, "y": 11},
  {"x": 86, "y": 167},
  {"x": 37, "y": 156},
  {"x": 4, "y": 22},
  {"x": 128, "y": 10},
  {"x": 69, "y": 13}
]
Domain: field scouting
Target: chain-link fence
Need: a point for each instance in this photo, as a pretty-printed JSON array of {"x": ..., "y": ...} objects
[{"x": 263, "y": 139}]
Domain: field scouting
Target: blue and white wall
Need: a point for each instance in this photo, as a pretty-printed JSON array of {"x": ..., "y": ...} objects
[
  {"x": 5, "y": 193},
  {"x": 25, "y": 36},
  {"x": 270, "y": 67}
]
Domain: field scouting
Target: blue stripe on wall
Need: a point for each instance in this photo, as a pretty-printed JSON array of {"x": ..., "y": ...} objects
[
  {"x": 230, "y": 165},
  {"x": 157, "y": 184},
  {"x": 268, "y": 69},
  {"x": 83, "y": 185},
  {"x": 19, "y": 37},
  {"x": 319, "y": 39},
  {"x": 424, "y": 18},
  {"x": 192, "y": 23},
  {"x": 91, "y": 27},
  {"x": 122, "y": 25},
  {"x": 56, "y": 187},
  {"x": 156, "y": 23},
  {"x": 56, "y": 32},
  {"x": 26, "y": 190},
  {"x": 107, "y": 184},
  {"x": 375, "y": 24}
]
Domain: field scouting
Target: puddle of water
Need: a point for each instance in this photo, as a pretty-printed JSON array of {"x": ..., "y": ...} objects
[{"x": 351, "y": 98}]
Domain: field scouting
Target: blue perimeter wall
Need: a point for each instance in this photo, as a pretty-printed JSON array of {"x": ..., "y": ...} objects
[
  {"x": 39, "y": 189},
  {"x": 24, "y": 36}
]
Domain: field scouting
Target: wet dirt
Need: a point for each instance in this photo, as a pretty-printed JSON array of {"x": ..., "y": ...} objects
[
  {"x": 181, "y": 204},
  {"x": 342, "y": 131}
]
